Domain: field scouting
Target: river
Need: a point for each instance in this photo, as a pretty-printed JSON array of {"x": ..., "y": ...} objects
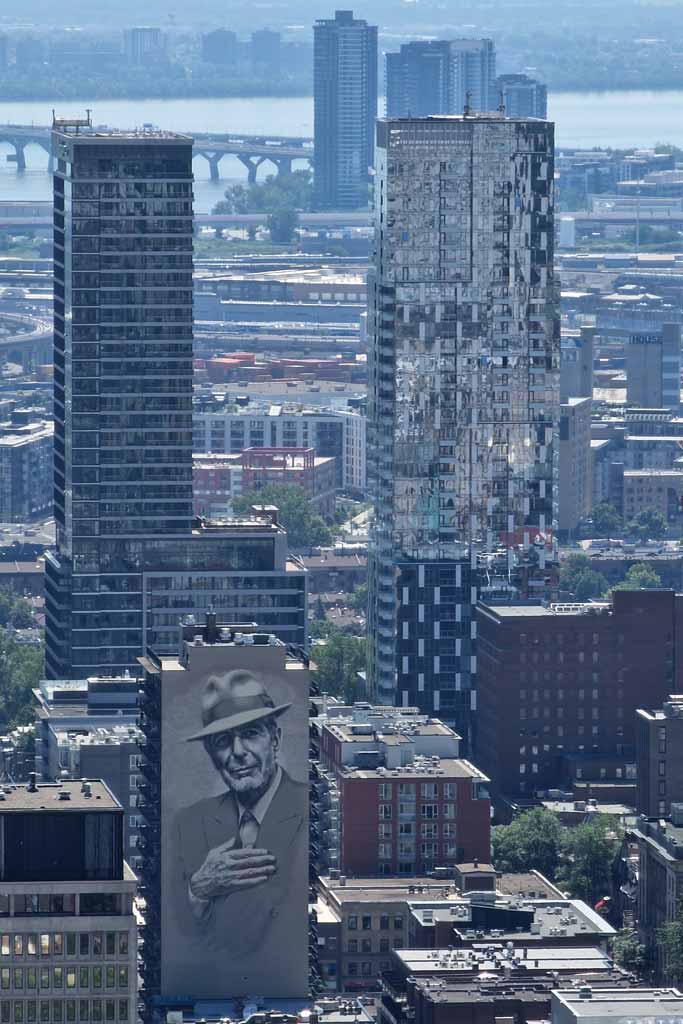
[{"x": 618, "y": 119}]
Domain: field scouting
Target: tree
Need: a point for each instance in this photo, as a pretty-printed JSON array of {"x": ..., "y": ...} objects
[
  {"x": 277, "y": 192},
  {"x": 14, "y": 611},
  {"x": 670, "y": 945},
  {"x": 338, "y": 663},
  {"x": 640, "y": 577},
  {"x": 359, "y": 599},
  {"x": 282, "y": 225},
  {"x": 606, "y": 520},
  {"x": 532, "y": 840},
  {"x": 588, "y": 853},
  {"x": 21, "y": 669},
  {"x": 648, "y": 524},
  {"x": 628, "y": 951},
  {"x": 578, "y": 576},
  {"x": 305, "y": 528}
]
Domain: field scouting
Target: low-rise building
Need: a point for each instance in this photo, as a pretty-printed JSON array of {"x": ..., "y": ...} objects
[
  {"x": 68, "y": 934},
  {"x": 487, "y": 983},
  {"x": 87, "y": 728},
  {"x": 654, "y": 490},
  {"x": 299, "y": 467},
  {"x": 407, "y": 802},
  {"x": 583, "y": 1005}
]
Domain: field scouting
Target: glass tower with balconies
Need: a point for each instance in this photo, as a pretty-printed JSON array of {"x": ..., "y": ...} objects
[{"x": 463, "y": 395}]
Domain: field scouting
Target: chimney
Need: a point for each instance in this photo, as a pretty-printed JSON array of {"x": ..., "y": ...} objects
[{"x": 210, "y": 628}]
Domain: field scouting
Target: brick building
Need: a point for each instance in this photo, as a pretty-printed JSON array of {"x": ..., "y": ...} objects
[
  {"x": 407, "y": 802},
  {"x": 300, "y": 467},
  {"x": 659, "y": 758},
  {"x": 559, "y": 686}
]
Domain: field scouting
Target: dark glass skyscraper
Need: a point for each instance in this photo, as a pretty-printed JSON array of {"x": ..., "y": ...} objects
[
  {"x": 345, "y": 109},
  {"x": 123, "y": 381},
  {"x": 129, "y": 559}
]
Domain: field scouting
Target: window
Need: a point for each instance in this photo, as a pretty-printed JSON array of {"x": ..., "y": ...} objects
[
  {"x": 352, "y": 968},
  {"x": 385, "y": 811},
  {"x": 353, "y": 946},
  {"x": 84, "y": 944},
  {"x": 384, "y": 831},
  {"x": 58, "y": 944},
  {"x": 406, "y": 791},
  {"x": 123, "y": 977},
  {"x": 71, "y": 944},
  {"x": 366, "y": 922},
  {"x": 430, "y": 830},
  {"x": 450, "y": 790},
  {"x": 429, "y": 810},
  {"x": 97, "y": 977},
  {"x": 384, "y": 922},
  {"x": 428, "y": 790},
  {"x": 384, "y": 851},
  {"x": 57, "y": 977},
  {"x": 83, "y": 977},
  {"x": 71, "y": 977},
  {"x": 398, "y": 921},
  {"x": 18, "y": 945},
  {"x": 352, "y": 922},
  {"x": 96, "y": 940},
  {"x": 385, "y": 791},
  {"x": 123, "y": 943},
  {"x": 31, "y": 945},
  {"x": 406, "y": 828},
  {"x": 406, "y": 810},
  {"x": 5, "y": 945},
  {"x": 384, "y": 945},
  {"x": 366, "y": 946},
  {"x": 449, "y": 810},
  {"x": 4, "y": 977}
]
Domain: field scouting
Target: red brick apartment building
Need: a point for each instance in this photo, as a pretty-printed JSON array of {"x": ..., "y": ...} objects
[
  {"x": 407, "y": 802},
  {"x": 559, "y": 686}
]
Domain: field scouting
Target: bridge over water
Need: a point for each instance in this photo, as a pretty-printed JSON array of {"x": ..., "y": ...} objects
[{"x": 250, "y": 150}]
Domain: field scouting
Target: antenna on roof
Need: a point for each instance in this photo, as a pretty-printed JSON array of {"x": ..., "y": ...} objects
[
  {"x": 501, "y": 102},
  {"x": 467, "y": 109}
]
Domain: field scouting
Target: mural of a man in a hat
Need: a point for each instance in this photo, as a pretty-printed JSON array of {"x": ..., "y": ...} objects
[{"x": 235, "y": 851}]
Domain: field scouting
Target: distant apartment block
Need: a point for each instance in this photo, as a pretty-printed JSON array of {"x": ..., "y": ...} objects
[
  {"x": 653, "y": 369},
  {"x": 338, "y": 434},
  {"x": 441, "y": 77},
  {"x": 575, "y": 483},
  {"x": 522, "y": 96},
  {"x": 220, "y": 47},
  {"x": 297, "y": 467},
  {"x": 345, "y": 109},
  {"x": 26, "y": 453},
  {"x": 139, "y": 44}
]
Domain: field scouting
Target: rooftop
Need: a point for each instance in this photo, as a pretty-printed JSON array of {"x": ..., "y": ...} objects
[
  {"x": 447, "y": 767},
  {"x": 632, "y": 1003},
  {"x": 66, "y": 796},
  {"x": 491, "y": 957},
  {"x": 75, "y": 131}
]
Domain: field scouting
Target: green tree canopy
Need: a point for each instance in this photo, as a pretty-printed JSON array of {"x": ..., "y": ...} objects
[
  {"x": 588, "y": 852},
  {"x": 359, "y": 599},
  {"x": 282, "y": 225},
  {"x": 647, "y": 525},
  {"x": 628, "y": 951},
  {"x": 21, "y": 669},
  {"x": 277, "y": 192},
  {"x": 338, "y": 663},
  {"x": 606, "y": 520},
  {"x": 669, "y": 942},
  {"x": 578, "y": 576},
  {"x": 305, "y": 528},
  {"x": 531, "y": 840},
  {"x": 640, "y": 576}
]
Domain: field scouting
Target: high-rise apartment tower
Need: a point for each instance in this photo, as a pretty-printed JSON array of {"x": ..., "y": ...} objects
[
  {"x": 345, "y": 108},
  {"x": 130, "y": 561},
  {"x": 441, "y": 77},
  {"x": 463, "y": 394}
]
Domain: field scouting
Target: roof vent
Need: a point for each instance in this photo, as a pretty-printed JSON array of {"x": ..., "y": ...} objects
[{"x": 64, "y": 795}]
